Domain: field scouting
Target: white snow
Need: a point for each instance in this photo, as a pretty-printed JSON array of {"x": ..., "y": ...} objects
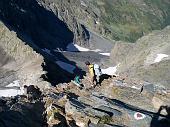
[
  {"x": 10, "y": 92},
  {"x": 68, "y": 67},
  {"x": 97, "y": 22},
  {"x": 96, "y": 50},
  {"x": 14, "y": 84},
  {"x": 160, "y": 57},
  {"x": 134, "y": 87},
  {"x": 105, "y": 54},
  {"x": 74, "y": 47},
  {"x": 109, "y": 71},
  {"x": 82, "y": 3}
]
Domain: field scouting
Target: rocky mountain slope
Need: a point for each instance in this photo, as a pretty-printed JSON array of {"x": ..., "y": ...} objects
[
  {"x": 147, "y": 59},
  {"x": 33, "y": 35},
  {"x": 114, "y": 103},
  {"x": 119, "y": 20},
  {"x": 18, "y": 61},
  {"x": 130, "y": 19}
]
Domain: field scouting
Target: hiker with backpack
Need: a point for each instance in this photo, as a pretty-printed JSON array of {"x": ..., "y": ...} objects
[{"x": 95, "y": 73}]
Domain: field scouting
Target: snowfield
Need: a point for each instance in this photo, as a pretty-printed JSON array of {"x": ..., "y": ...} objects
[
  {"x": 13, "y": 89},
  {"x": 109, "y": 70},
  {"x": 10, "y": 92},
  {"x": 105, "y": 54},
  {"x": 76, "y": 48},
  {"x": 160, "y": 57}
]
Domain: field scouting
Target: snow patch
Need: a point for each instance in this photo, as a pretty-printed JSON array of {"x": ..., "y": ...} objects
[
  {"x": 14, "y": 84},
  {"x": 97, "y": 22},
  {"x": 74, "y": 48},
  {"x": 96, "y": 50},
  {"x": 105, "y": 54},
  {"x": 68, "y": 67},
  {"x": 10, "y": 92},
  {"x": 134, "y": 87},
  {"x": 160, "y": 57},
  {"x": 109, "y": 71},
  {"x": 83, "y": 3}
]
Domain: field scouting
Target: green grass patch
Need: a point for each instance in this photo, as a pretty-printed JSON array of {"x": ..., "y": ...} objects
[{"x": 127, "y": 21}]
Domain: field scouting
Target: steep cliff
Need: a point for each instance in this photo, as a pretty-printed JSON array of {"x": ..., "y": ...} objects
[
  {"x": 148, "y": 58},
  {"x": 55, "y": 23},
  {"x": 18, "y": 60}
]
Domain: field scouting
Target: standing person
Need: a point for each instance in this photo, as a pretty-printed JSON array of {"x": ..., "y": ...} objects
[
  {"x": 92, "y": 73},
  {"x": 98, "y": 73}
]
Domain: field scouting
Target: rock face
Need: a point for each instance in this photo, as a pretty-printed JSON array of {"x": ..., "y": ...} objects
[
  {"x": 46, "y": 25},
  {"x": 18, "y": 61},
  {"x": 148, "y": 58},
  {"x": 40, "y": 25},
  {"x": 112, "y": 105},
  {"x": 125, "y": 20},
  {"x": 128, "y": 20},
  {"x": 119, "y": 20},
  {"x": 20, "y": 111}
]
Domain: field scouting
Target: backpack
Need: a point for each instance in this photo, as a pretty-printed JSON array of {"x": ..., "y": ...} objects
[{"x": 97, "y": 70}]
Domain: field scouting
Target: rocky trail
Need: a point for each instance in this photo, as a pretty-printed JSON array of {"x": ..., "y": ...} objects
[
  {"x": 120, "y": 101},
  {"x": 104, "y": 106},
  {"x": 116, "y": 103},
  {"x": 44, "y": 44}
]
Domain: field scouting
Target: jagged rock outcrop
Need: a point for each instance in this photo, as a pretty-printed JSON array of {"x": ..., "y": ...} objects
[
  {"x": 125, "y": 20},
  {"x": 128, "y": 20},
  {"x": 46, "y": 25},
  {"x": 118, "y": 101},
  {"x": 18, "y": 60},
  {"x": 35, "y": 24},
  {"x": 147, "y": 59},
  {"x": 20, "y": 111},
  {"x": 121, "y": 20}
]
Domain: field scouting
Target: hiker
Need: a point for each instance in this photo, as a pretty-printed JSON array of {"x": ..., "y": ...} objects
[{"x": 95, "y": 73}]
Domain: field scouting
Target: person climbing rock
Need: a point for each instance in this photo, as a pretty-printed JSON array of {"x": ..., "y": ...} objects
[{"x": 95, "y": 73}]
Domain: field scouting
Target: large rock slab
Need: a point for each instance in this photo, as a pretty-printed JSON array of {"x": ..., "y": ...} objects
[{"x": 19, "y": 61}]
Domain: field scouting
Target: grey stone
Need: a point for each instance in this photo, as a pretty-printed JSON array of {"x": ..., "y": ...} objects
[
  {"x": 149, "y": 87},
  {"x": 104, "y": 125},
  {"x": 95, "y": 113},
  {"x": 111, "y": 111}
]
